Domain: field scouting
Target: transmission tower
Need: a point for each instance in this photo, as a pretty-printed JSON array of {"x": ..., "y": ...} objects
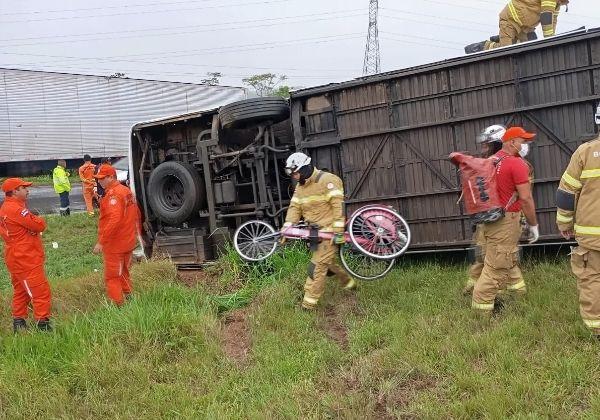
[{"x": 372, "y": 63}]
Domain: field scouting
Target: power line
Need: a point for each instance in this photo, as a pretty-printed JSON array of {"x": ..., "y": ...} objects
[
  {"x": 219, "y": 25},
  {"x": 471, "y": 22},
  {"x": 219, "y": 29},
  {"x": 435, "y": 23},
  {"x": 422, "y": 37},
  {"x": 212, "y": 50},
  {"x": 404, "y": 41},
  {"x": 145, "y": 12},
  {"x": 121, "y": 6},
  {"x": 138, "y": 71}
]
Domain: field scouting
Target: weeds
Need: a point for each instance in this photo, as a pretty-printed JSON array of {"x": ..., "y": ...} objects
[{"x": 413, "y": 348}]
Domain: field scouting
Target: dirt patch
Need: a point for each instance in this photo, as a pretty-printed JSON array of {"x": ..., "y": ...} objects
[
  {"x": 330, "y": 321},
  {"x": 236, "y": 337},
  {"x": 192, "y": 278},
  {"x": 209, "y": 280},
  {"x": 391, "y": 403}
]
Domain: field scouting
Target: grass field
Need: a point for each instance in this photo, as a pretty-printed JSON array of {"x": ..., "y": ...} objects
[
  {"x": 233, "y": 343},
  {"x": 47, "y": 179}
]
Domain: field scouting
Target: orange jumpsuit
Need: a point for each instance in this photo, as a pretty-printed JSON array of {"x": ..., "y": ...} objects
[
  {"x": 86, "y": 174},
  {"x": 24, "y": 258},
  {"x": 118, "y": 229}
]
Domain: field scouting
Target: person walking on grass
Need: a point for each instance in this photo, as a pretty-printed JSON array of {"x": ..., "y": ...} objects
[
  {"x": 86, "y": 174},
  {"x": 62, "y": 186},
  {"x": 21, "y": 230},
  {"x": 118, "y": 229},
  {"x": 318, "y": 199}
]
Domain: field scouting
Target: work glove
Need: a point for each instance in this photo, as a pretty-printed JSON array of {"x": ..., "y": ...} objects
[
  {"x": 534, "y": 234},
  {"x": 338, "y": 239}
]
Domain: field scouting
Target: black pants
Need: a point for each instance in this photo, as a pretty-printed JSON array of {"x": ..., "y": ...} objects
[{"x": 64, "y": 200}]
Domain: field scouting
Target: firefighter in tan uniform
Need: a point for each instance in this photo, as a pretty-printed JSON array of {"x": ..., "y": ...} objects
[
  {"x": 578, "y": 203},
  {"x": 518, "y": 21},
  {"x": 318, "y": 199},
  {"x": 502, "y": 237},
  {"x": 491, "y": 143}
]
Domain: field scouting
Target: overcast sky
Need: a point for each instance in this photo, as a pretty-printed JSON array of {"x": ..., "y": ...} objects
[{"x": 313, "y": 42}]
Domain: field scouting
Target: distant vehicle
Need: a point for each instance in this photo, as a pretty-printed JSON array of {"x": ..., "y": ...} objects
[{"x": 121, "y": 165}]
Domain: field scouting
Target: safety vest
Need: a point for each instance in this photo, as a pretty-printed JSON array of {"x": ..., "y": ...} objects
[
  {"x": 61, "y": 180},
  {"x": 578, "y": 196}
]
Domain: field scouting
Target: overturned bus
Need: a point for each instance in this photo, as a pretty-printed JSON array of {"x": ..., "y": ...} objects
[{"x": 388, "y": 136}]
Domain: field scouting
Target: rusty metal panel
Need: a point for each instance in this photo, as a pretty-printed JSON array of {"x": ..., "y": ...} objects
[
  {"x": 393, "y": 132},
  {"x": 555, "y": 89},
  {"x": 484, "y": 101},
  {"x": 419, "y": 85},
  {"x": 360, "y": 122},
  {"x": 551, "y": 59},
  {"x": 368, "y": 167},
  {"x": 421, "y": 112},
  {"x": 361, "y": 96},
  {"x": 481, "y": 73}
]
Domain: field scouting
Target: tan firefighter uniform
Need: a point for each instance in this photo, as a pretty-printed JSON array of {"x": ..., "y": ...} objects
[
  {"x": 515, "y": 282},
  {"x": 520, "y": 17},
  {"x": 320, "y": 201},
  {"x": 578, "y": 202}
]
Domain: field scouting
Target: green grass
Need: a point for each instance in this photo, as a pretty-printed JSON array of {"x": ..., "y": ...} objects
[
  {"x": 414, "y": 348},
  {"x": 47, "y": 179},
  {"x": 76, "y": 236}
]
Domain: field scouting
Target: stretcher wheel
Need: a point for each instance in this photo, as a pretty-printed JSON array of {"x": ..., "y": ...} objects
[
  {"x": 362, "y": 266},
  {"x": 255, "y": 240},
  {"x": 379, "y": 232}
]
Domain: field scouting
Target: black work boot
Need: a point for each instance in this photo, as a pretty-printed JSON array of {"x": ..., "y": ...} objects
[
  {"x": 127, "y": 297},
  {"x": 476, "y": 47},
  {"x": 68, "y": 212},
  {"x": 19, "y": 324},
  {"x": 499, "y": 306},
  {"x": 43, "y": 325},
  {"x": 495, "y": 38}
]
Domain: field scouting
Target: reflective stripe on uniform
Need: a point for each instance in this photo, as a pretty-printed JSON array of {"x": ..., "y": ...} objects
[
  {"x": 590, "y": 173},
  {"x": 549, "y": 3},
  {"x": 517, "y": 286},
  {"x": 482, "y": 306},
  {"x": 571, "y": 181},
  {"x": 548, "y": 32},
  {"x": 588, "y": 230},
  {"x": 338, "y": 224},
  {"x": 514, "y": 14},
  {"x": 310, "y": 301},
  {"x": 317, "y": 198},
  {"x": 592, "y": 323},
  {"x": 563, "y": 219}
]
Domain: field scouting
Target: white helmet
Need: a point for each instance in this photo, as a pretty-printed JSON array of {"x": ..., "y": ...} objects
[
  {"x": 296, "y": 161},
  {"x": 597, "y": 116},
  {"x": 491, "y": 134}
]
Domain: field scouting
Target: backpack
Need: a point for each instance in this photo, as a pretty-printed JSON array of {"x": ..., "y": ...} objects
[{"x": 479, "y": 190}]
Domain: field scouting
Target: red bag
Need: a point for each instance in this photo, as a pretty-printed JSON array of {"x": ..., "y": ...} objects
[{"x": 479, "y": 191}]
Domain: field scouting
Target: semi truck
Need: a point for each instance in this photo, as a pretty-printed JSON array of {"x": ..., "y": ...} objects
[{"x": 388, "y": 136}]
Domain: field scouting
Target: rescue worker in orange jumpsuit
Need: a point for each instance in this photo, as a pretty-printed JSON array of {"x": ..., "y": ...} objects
[
  {"x": 86, "y": 174},
  {"x": 491, "y": 143},
  {"x": 118, "y": 230},
  {"x": 502, "y": 236},
  {"x": 518, "y": 21},
  {"x": 24, "y": 257},
  {"x": 578, "y": 202},
  {"x": 318, "y": 199}
]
